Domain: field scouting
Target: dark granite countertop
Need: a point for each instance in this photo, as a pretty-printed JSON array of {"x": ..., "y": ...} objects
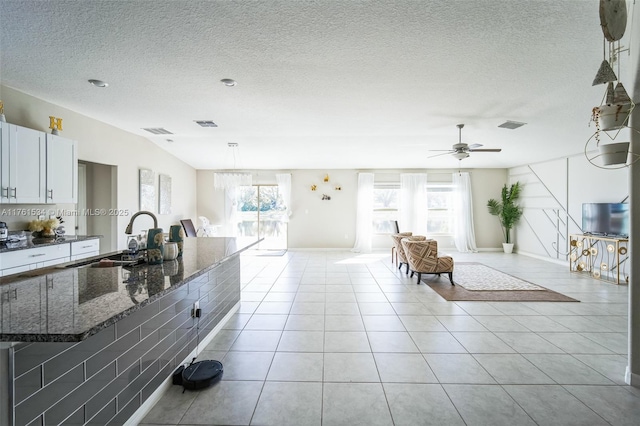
[
  {"x": 41, "y": 242},
  {"x": 69, "y": 303}
]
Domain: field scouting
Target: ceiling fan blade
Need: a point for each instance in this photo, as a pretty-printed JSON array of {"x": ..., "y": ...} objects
[
  {"x": 438, "y": 155},
  {"x": 486, "y": 150},
  {"x": 475, "y": 145},
  {"x": 441, "y": 150}
]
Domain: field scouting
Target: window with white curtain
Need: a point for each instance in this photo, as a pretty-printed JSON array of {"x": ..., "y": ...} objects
[
  {"x": 440, "y": 209},
  {"x": 386, "y": 197}
]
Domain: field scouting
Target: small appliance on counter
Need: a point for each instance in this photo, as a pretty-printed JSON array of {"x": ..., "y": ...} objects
[{"x": 4, "y": 232}]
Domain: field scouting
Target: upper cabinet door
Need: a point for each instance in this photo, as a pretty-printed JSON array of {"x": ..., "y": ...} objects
[
  {"x": 26, "y": 165},
  {"x": 62, "y": 170},
  {"x": 4, "y": 162}
]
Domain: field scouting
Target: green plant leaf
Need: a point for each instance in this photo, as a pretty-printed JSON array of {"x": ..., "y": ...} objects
[{"x": 507, "y": 211}]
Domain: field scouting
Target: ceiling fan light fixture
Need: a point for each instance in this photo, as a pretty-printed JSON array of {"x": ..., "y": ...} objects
[{"x": 460, "y": 155}]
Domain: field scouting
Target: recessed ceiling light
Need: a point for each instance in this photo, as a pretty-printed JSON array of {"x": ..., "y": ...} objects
[
  {"x": 232, "y": 144},
  {"x": 170, "y": 140},
  {"x": 98, "y": 83},
  {"x": 229, "y": 82}
]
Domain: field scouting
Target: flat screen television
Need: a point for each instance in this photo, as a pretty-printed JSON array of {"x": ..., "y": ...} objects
[{"x": 610, "y": 219}]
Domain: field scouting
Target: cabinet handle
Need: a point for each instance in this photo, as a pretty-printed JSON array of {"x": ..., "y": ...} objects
[
  {"x": 51, "y": 192},
  {"x": 39, "y": 254},
  {"x": 6, "y": 189},
  {"x": 15, "y": 192},
  {"x": 86, "y": 246}
]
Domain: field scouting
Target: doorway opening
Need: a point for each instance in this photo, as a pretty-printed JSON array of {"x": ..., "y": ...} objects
[
  {"x": 97, "y": 191},
  {"x": 261, "y": 213}
]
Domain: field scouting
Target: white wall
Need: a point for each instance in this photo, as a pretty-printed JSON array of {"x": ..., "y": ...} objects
[
  {"x": 331, "y": 224},
  {"x": 552, "y": 197},
  {"x": 104, "y": 144}
]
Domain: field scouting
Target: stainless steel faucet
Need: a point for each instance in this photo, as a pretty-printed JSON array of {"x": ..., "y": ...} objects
[{"x": 129, "y": 229}]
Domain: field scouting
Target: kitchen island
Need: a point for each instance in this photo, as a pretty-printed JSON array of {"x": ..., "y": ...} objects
[{"x": 90, "y": 344}]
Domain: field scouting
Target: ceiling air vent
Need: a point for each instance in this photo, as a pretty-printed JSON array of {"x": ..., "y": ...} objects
[
  {"x": 206, "y": 123},
  {"x": 157, "y": 131},
  {"x": 511, "y": 124}
]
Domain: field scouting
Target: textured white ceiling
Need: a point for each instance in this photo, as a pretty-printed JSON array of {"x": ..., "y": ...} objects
[{"x": 321, "y": 84}]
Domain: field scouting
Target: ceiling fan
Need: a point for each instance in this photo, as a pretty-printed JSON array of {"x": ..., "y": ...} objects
[{"x": 461, "y": 150}]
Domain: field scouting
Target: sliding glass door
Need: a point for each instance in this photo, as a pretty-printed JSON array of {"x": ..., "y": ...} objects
[{"x": 261, "y": 214}]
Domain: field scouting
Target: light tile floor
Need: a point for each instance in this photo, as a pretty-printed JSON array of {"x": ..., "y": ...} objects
[{"x": 336, "y": 338}]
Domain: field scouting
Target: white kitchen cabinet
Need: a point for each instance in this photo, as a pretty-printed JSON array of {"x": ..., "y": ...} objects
[
  {"x": 14, "y": 262},
  {"x": 84, "y": 249},
  {"x": 37, "y": 167},
  {"x": 23, "y": 174},
  {"x": 62, "y": 170}
]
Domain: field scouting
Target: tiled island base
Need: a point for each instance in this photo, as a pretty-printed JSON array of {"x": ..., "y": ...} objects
[{"x": 106, "y": 378}]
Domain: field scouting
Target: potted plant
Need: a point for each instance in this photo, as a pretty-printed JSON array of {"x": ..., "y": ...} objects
[{"x": 508, "y": 212}]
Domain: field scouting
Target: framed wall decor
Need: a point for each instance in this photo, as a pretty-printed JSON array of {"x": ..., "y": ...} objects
[
  {"x": 164, "y": 195},
  {"x": 147, "y": 190}
]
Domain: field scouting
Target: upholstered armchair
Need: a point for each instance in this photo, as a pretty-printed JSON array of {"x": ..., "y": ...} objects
[
  {"x": 422, "y": 258},
  {"x": 402, "y": 258}
]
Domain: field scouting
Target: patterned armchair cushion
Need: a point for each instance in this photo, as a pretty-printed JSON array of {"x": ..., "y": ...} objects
[
  {"x": 396, "y": 242},
  {"x": 422, "y": 256}
]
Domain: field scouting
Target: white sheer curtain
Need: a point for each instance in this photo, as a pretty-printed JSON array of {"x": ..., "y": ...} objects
[
  {"x": 284, "y": 187},
  {"x": 413, "y": 203},
  {"x": 231, "y": 217},
  {"x": 463, "y": 233},
  {"x": 230, "y": 182},
  {"x": 364, "y": 214}
]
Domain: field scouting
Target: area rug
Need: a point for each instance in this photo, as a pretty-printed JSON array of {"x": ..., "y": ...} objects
[{"x": 475, "y": 281}]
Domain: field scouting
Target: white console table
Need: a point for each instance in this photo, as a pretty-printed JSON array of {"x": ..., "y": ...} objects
[{"x": 604, "y": 258}]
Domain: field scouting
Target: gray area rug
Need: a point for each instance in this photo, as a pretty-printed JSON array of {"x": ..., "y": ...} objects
[{"x": 475, "y": 281}]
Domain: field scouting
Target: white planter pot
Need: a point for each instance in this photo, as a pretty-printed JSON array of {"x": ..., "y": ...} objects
[
  {"x": 507, "y": 247},
  {"x": 613, "y": 117},
  {"x": 614, "y": 153}
]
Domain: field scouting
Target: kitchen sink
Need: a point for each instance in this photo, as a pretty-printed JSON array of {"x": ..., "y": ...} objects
[{"x": 116, "y": 259}]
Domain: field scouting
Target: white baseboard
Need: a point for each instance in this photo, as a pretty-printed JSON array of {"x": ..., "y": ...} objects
[
  {"x": 545, "y": 258},
  {"x": 153, "y": 399},
  {"x": 631, "y": 379}
]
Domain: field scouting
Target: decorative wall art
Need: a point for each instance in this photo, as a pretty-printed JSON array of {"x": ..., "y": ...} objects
[
  {"x": 147, "y": 190},
  {"x": 164, "y": 195},
  {"x": 326, "y": 186}
]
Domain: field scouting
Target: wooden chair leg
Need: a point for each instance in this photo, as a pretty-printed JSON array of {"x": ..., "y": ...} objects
[
  {"x": 451, "y": 277},
  {"x": 419, "y": 278},
  {"x": 407, "y": 273}
]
